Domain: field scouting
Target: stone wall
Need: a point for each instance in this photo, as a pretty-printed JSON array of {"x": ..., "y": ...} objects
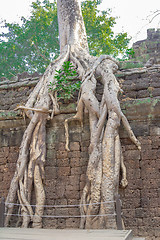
[
  {"x": 148, "y": 48},
  {"x": 65, "y": 171},
  {"x": 141, "y": 202},
  {"x": 16, "y": 90}
]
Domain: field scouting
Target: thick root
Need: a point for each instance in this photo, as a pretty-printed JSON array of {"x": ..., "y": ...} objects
[
  {"x": 103, "y": 171},
  {"x": 105, "y": 155},
  {"x": 30, "y": 164}
]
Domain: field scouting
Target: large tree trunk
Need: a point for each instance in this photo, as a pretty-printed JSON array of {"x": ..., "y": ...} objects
[
  {"x": 71, "y": 26},
  {"x": 105, "y": 155}
]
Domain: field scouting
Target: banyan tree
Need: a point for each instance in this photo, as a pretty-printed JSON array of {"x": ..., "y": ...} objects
[{"x": 105, "y": 116}]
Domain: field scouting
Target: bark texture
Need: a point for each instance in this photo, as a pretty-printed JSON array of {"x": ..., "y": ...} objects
[
  {"x": 105, "y": 154},
  {"x": 29, "y": 175},
  {"x": 71, "y": 25}
]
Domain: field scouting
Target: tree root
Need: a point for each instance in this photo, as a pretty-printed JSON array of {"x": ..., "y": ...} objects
[
  {"x": 30, "y": 164},
  {"x": 105, "y": 154}
]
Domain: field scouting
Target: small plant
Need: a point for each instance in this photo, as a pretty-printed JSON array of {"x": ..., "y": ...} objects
[
  {"x": 150, "y": 90},
  {"x": 130, "y": 65},
  {"x": 66, "y": 82},
  {"x": 130, "y": 53}
]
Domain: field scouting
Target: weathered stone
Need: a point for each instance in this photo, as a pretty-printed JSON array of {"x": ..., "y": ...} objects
[
  {"x": 132, "y": 154},
  {"x": 72, "y": 223},
  {"x": 63, "y": 162},
  {"x": 74, "y": 146},
  {"x": 76, "y": 171},
  {"x": 60, "y": 146},
  {"x": 155, "y": 130},
  {"x": 72, "y": 194},
  {"x": 62, "y": 154},
  {"x": 66, "y": 171},
  {"x": 148, "y": 154},
  {"x": 74, "y": 162},
  {"x": 74, "y": 154},
  {"x": 52, "y": 172}
]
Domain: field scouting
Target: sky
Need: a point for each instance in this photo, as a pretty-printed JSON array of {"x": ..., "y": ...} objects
[{"x": 132, "y": 15}]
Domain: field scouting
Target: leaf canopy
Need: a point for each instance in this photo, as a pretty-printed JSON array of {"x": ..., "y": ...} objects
[{"x": 31, "y": 45}]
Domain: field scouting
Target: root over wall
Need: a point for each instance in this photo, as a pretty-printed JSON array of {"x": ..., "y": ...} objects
[{"x": 66, "y": 171}]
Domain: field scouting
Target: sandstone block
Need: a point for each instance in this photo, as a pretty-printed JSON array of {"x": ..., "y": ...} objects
[
  {"x": 51, "y": 172},
  {"x": 76, "y": 171},
  {"x": 61, "y": 223},
  {"x": 133, "y": 173},
  {"x": 60, "y": 146},
  {"x": 73, "y": 179},
  {"x": 74, "y": 211},
  {"x": 132, "y": 193},
  {"x": 128, "y": 204},
  {"x": 63, "y": 171},
  {"x": 62, "y": 201},
  {"x": 155, "y": 142},
  {"x": 62, "y": 211},
  {"x": 73, "y": 201},
  {"x": 74, "y": 146},
  {"x": 62, "y": 154},
  {"x": 154, "y": 130},
  {"x": 12, "y": 157},
  {"x": 72, "y": 223},
  {"x": 75, "y": 154},
  {"x": 148, "y": 154},
  {"x": 50, "y": 153},
  {"x": 63, "y": 162},
  {"x": 85, "y": 143},
  {"x": 74, "y": 162},
  {"x": 150, "y": 173},
  {"x": 50, "y": 223},
  {"x": 84, "y": 149},
  {"x": 75, "y": 137},
  {"x": 73, "y": 187},
  {"x": 150, "y": 183},
  {"x": 72, "y": 194},
  {"x": 141, "y": 212}
]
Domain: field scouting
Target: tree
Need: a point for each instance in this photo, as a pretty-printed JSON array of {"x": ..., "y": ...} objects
[
  {"x": 31, "y": 45},
  {"x": 105, "y": 154},
  {"x": 99, "y": 27},
  {"x": 28, "y": 47}
]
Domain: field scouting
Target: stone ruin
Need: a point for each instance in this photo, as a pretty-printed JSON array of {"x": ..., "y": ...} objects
[
  {"x": 65, "y": 171},
  {"x": 148, "y": 50}
]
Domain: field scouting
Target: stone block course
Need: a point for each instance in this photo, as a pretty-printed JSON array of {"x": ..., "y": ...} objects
[
  {"x": 74, "y": 146},
  {"x": 65, "y": 171}
]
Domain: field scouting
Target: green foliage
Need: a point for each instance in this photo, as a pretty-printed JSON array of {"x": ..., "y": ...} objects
[
  {"x": 130, "y": 53},
  {"x": 66, "y": 82},
  {"x": 130, "y": 64},
  {"x": 31, "y": 45},
  {"x": 99, "y": 27}
]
